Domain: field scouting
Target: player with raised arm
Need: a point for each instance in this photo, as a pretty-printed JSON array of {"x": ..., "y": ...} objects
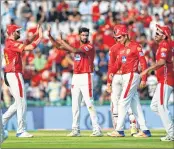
[
  {"x": 13, "y": 75},
  {"x": 165, "y": 75},
  {"x": 82, "y": 81}
]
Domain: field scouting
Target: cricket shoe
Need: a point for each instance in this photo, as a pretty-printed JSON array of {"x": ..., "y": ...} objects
[
  {"x": 96, "y": 133},
  {"x": 24, "y": 135},
  {"x": 167, "y": 138},
  {"x": 4, "y": 136},
  {"x": 116, "y": 134},
  {"x": 143, "y": 134},
  {"x": 74, "y": 133},
  {"x": 133, "y": 129}
]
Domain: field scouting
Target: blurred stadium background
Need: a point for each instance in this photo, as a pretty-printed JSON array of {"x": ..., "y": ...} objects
[{"x": 48, "y": 71}]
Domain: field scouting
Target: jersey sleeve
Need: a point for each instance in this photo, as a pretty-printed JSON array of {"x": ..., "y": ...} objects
[
  {"x": 113, "y": 65},
  {"x": 163, "y": 53},
  {"x": 142, "y": 61},
  {"x": 17, "y": 47},
  {"x": 112, "y": 59}
]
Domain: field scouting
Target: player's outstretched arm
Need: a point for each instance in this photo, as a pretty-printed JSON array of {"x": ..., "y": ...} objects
[
  {"x": 34, "y": 44},
  {"x": 159, "y": 64},
  {"x": 67, "y": 47},
  {"x": 53, "y": 41}
]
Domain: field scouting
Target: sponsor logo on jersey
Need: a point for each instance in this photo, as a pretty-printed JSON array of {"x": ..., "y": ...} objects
[
  {"x": 77, "y": 57},
  {"x": 123, "y": 59},
  {"x": 163, "y": 54}
]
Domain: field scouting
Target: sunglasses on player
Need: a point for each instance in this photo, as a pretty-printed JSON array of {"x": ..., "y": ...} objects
[
  {"x": 118, "y": 38},
  {"x": 18, "y": 32},
  {"x": 158, "y": 34}
]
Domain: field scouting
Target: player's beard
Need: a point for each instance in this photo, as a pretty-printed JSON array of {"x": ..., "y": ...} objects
[
  {"x": 157, "y": 39},
  {"x": 17, "y": 37},
  {"x": 84, "y": 41}
]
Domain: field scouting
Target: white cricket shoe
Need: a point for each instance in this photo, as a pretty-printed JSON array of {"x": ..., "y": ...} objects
[
  {"x": 96, "y": 133},
  {"x": 167, "y": 138},
  {"x": 74, "y": 133},
  {"x": 4, "y": 136},
  {"x": 24, "y": 135}
]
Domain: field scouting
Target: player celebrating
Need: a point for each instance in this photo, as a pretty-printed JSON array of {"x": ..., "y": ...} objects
[
  {"x": 165, "y": 76},
  {"x": 13, "y": 76},
  {"x": 127, "y": 60},
  {"x": 116, "y": 91},
  {"x": 82, "y": 81}
]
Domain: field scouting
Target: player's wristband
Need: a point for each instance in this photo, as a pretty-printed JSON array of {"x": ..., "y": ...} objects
[{"x": 34, "y": 45}]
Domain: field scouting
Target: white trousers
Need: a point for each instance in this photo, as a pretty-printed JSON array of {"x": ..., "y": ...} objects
[
  {"x": 16, "y": 87},
  {"x": 82, "y": 87},
  {"x": 117, "y": 87},
  {"x": 129, "y": 98},
  {"x": 159, "y": 105}
]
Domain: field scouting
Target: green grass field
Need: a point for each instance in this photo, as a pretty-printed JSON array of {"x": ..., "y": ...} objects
[{"x": 58, "y": 139}]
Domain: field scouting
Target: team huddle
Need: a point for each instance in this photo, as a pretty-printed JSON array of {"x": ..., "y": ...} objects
[{"x": 123, "y": 80}]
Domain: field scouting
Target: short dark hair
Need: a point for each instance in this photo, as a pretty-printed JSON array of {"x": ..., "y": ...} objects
[{"x": 83, "y": 29}]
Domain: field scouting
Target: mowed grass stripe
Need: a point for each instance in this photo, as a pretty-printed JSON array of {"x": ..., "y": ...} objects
[{"x": 58, "y": 139}]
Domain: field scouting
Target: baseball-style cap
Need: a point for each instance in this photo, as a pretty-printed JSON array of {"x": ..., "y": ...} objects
[
  {"x": 120, "y": 30},
  {"x": 165, "y": 29},
  {"x": 12, "y": 28}
]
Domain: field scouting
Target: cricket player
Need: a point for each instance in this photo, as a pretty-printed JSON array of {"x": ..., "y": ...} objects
[
  {"x": 127, "y": 60},
  {"x": 165, "y": 75},
  {"x": 13, "y": 76},
  {"x": 82, "y": 81},
  {"x": 116, "y": 91}
]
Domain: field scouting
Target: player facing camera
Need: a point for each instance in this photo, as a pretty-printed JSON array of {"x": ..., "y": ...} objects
[{"x": 84, "y": 34}]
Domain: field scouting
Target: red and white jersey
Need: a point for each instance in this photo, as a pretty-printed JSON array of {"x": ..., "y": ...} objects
[
  {"x": 165, "y": 74},
  {"x": 13, "y": 55},
  {"x": 84, "y": 60},
  {"x": 113, "y": 59},
  {"x": 128, "y": 59}
]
